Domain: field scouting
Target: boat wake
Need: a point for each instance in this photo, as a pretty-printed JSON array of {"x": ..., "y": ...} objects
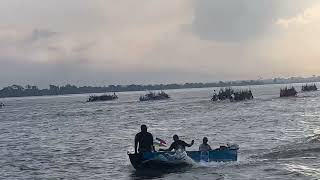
[
  {"x": 308, "y": 147},
  {"x": 204, "y": 164},
  {"x": 313, "y": 139}
]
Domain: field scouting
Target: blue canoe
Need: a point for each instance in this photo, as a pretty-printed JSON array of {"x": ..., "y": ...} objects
[{"x": 168, "y": 159}]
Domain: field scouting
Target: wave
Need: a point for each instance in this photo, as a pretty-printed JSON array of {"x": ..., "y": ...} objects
[
  {"x": 313, "y": 139},
  {"x": 304, "y": 148}
]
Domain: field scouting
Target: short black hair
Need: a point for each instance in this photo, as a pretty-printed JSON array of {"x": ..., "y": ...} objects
[{"x": 143, "y": 126}]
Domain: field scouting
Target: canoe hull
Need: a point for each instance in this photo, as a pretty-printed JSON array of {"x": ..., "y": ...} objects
[{"x": 155, "y": 160}]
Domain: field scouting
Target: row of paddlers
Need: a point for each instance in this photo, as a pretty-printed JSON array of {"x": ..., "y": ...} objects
[
  {"x": 151, "y": 96},
  {"x": 289, "y": 92},
  {"x": 223, "y": 94}
]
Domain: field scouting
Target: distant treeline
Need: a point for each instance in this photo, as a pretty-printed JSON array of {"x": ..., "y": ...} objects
[{"x": 20, "y": 91}]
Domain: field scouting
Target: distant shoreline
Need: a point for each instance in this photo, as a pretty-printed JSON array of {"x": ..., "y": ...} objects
[{"x": 28, "y": 90}]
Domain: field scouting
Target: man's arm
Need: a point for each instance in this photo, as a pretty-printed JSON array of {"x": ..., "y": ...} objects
[
  {"x": 189, "y": 145},
  {"x": 135, "y": 144},
  {"x": 170, "y": 148}
]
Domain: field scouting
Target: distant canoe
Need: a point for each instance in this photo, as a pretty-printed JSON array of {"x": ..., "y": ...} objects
[
  {"x": 104, "y": 97},
  {"x": 151, "y": 96}
]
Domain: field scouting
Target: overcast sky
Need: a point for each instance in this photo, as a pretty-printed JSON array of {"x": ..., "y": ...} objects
[{"x": 102, "y": 42}]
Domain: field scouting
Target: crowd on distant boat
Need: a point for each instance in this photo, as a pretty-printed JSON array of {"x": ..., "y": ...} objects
[
  {"x": 288, "y": 92},
  {"x": 151, "y": 96},
  {"x": 232, "y": 95},
  {"x": 309, "y": 87},
  {"x": 104, "y": 97}
]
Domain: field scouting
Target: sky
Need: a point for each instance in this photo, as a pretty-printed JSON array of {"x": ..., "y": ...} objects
[{"x": 103, "y": 42}]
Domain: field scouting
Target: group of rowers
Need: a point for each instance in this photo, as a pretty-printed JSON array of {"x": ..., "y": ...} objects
[{"x": 144, "y": 143}]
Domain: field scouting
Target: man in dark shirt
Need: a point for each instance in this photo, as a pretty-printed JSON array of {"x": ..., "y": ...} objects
[
  {"x": 178, "y": 144},
  {"x": 145, "y": 141}
]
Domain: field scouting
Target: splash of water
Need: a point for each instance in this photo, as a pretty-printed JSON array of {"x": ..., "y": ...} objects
[
  {"x": 178, "y": 157},
  {"x": 313, "y": 139}
]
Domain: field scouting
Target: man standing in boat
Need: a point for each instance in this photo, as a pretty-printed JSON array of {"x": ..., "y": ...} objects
[
  {"x": 178, "y": 144},
  {"x": 145, "y": 141}
]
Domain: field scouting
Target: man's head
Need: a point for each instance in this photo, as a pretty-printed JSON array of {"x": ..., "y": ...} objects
[
  {"x": 175, "y": 138},
  {"x": 144, "y": 128},
  {"x": 205, "y": 140}
]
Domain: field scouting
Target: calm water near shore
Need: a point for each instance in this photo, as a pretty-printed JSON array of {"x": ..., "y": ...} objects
[{"x": 63, "y": 137}]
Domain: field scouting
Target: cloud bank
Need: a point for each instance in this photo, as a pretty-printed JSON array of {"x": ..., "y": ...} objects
[
  {"x": 111, "y": 42},
  {"x": 240, "y": 20}
]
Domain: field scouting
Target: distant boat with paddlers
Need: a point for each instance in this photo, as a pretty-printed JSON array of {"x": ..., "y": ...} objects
[
  {"x": 1, "y": 105},
  {"x": 307, "y": 87},
  {"x": 232, "y": 95},
  {"x": 105, "y": 97},
  {"x": 288, "y": 92},
  {"x": 152, "y": 96}
]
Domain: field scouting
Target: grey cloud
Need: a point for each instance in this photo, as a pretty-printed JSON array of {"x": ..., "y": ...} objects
[
  {"x": 238, "y": 20},
  {"x": 38, "y": 34},
  {"x": 24, "y": 37},
  {"x": 84, "y": 47},
  {"x": 79, "y": 74}
]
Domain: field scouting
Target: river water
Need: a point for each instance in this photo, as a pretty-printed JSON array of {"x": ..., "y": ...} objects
[{"x": 63, "y": 137}]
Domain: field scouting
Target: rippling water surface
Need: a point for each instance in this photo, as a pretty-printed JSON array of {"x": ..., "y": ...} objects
[{"x": 63, "y": 137}]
